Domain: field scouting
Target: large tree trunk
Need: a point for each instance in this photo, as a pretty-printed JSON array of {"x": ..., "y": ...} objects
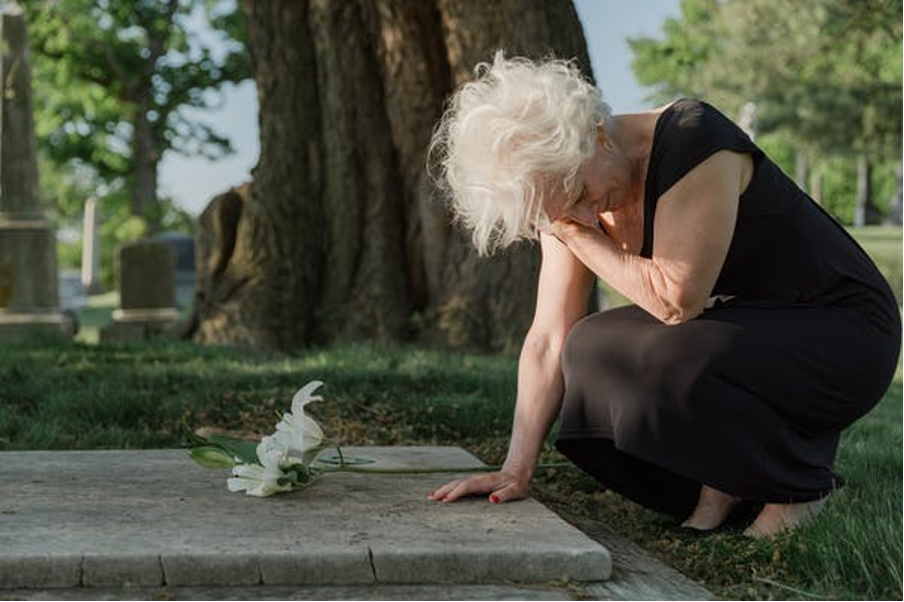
[
  {"x": 865, "y": 212},
  {"x": 801, "y": 169},
  {"x": 344, "y": 235},
  {"x": 146, "y": 158},
  {"x": 896, "y": 202}
]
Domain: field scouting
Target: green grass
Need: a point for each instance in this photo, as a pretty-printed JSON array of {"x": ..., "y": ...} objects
[
  {"x": 95, "y": 315},
  {"x": 883, "y": 243},
  {"x": 74, "y": 396}
]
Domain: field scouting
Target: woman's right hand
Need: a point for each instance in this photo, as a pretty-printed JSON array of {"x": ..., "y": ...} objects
[{"x": 502, "y": 486}]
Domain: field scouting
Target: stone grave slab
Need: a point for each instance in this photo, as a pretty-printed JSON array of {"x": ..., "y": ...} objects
[{"x": 153, "y": 517}]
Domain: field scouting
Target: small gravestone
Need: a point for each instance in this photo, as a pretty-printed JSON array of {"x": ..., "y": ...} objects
[
  {"x": 29, "y": 291},
  {"x": 183, "y": 245},
  {"x": 147, "y": 292}
]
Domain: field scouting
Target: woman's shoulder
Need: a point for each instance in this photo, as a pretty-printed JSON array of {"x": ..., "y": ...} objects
[
  {"x": 689, "y": 114},
  {"x": 689, "y": 129},
  {"x": 688, "y": 132}
]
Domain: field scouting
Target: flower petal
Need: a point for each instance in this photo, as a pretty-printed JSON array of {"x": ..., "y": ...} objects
[
  {"x": 248, "y": 471},
  {"x": 303, "y": 396},
  {"x": 238, "y": 484},
  {"x": 303, "y": 426}
]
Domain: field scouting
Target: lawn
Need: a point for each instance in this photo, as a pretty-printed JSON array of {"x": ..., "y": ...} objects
[
  {"x": 76, "y": 395},
  {"x": 883, "y": 243}
]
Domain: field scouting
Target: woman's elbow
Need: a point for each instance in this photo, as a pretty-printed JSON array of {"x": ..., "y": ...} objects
[{"x": 681, "y": 307}]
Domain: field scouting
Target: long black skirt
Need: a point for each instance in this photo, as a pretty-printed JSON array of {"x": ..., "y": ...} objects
[{"x": 748, "y": 400}]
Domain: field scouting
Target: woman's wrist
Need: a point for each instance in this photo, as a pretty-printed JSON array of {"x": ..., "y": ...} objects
[{"x": 521, "y": 469}]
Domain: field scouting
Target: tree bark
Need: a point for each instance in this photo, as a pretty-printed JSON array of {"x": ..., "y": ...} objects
[
  {"x": 896, "y": 202},
  {"x": 815, "y": 190},
  {"x": 801, "y": 169},
  {"x": 865, "y": 211},
  {"x": 344, "y": 236},
  {"x": 144, "y": 152}
]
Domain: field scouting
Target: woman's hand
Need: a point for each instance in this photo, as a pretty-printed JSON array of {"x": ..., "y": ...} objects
[
  {"x": 571, "y": 232},
  {"x": 503, "y": 486}
]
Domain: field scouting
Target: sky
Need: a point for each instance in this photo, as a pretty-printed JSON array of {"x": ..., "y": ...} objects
[{"x": 193, "y": 181}]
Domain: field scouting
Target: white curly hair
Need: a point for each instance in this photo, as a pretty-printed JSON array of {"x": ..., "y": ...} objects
[{"x": 519, "y": 130}]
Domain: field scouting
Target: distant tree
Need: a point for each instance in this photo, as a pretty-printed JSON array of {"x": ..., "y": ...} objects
[
  {"x": 825, "y": 73},
  {"x": 112, "y": 78},
  {"x": 343, "y": 235},
  {"x": 675, "y": 64}
]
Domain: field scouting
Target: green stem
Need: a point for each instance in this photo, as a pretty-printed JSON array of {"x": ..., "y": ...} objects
[{"x": 437, "y": 470}]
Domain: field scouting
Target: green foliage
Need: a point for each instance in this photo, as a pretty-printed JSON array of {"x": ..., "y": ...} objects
[
  {"x": 839, "y": 187},
  {"x": 826, "y": 76},
  {"x": 779, "y": 149},
  {"x": 672, "y": 66},
  {"x": 69, "y": 254},
  {"x": 112, "y": 80},
  {"x": 100, "y": 64}
]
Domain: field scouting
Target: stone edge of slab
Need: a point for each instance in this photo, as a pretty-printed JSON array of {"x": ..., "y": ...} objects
[{"x": 363, "y": 566}]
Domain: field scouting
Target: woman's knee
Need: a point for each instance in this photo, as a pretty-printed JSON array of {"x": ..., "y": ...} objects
[{"x": 585, "y": 345}]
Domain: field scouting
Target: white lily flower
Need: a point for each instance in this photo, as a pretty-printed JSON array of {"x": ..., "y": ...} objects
[
  {"x": 263, "y": 480},
  {"x": 297, "y": 432},
  {"x": 303, "y": 396}
]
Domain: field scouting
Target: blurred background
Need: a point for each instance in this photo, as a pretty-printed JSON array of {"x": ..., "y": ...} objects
[{"x": 152, "y": 109}]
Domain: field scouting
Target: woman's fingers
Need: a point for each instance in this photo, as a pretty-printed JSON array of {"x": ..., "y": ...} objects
[
  {"x": 475, "y": 485},
  {"x": 502, "y": 487},
  {"x": 440, "y": 492}
]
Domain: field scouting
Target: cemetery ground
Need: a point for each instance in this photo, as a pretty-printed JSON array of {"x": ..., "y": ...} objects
[{"x": 75, "y": 395}]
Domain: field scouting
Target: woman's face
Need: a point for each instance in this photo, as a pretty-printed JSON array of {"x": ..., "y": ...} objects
[{"x": 601, "y": 185}]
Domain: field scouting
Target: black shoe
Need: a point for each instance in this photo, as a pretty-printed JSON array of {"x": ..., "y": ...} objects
[
  {"x": 742, "y": 513},
  {"x": 693, "y": 532}
]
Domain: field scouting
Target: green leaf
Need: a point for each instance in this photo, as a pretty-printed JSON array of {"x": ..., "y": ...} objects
[
  {"x": 212, "y": 456},
  {"x": 246, "y": 451}
]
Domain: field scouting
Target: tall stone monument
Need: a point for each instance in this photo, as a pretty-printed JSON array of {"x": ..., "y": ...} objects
[
  {"x": 29, "y": 293},
  {"x": 90, "y": 249}
]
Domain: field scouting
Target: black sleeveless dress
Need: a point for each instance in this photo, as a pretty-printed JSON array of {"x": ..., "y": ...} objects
[{"x": 749, "y": 397}]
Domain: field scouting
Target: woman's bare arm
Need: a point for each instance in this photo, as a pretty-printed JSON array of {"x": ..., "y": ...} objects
[
  {"x": 562, "y": 294},
  {"x": 694, "y": 223}
]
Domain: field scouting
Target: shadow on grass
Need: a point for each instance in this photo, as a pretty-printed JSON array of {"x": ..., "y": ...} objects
[{"x": 55, "y": 396}]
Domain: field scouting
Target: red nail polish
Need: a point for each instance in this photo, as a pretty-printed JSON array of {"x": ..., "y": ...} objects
[{"x": 494, "y": 498}]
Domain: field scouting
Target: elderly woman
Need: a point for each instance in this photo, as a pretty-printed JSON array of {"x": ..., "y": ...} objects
[{"x": 759, "y": 330}]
